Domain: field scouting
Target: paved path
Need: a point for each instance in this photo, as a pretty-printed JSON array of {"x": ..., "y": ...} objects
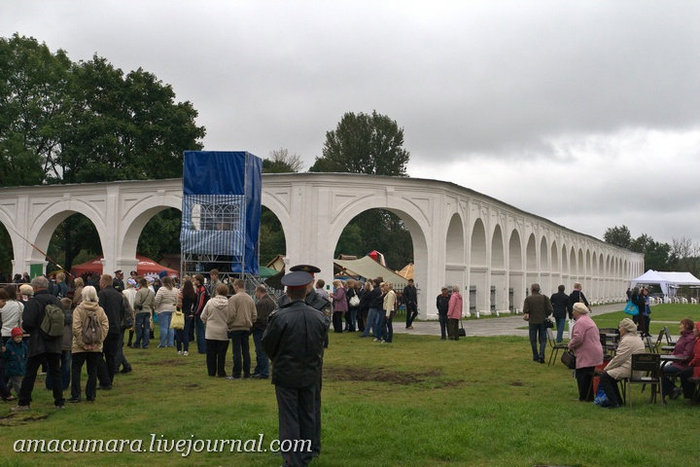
[{"x": 505, "y": 326}]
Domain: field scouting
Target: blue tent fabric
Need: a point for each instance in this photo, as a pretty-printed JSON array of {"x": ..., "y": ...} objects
[{"x": 221, "y": 206}]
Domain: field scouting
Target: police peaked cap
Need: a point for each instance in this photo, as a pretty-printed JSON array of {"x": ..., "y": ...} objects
[{"x": 297, "y": 279}]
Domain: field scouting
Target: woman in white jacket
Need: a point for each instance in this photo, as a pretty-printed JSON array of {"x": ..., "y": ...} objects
[
  {"x": 621, "y": 365},
  {"x": 165, "y": 304},
  {"x": 219, "y": 320}
]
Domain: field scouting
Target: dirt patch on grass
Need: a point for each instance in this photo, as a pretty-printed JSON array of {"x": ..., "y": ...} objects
[
  {"x": 517, "y": 383},
  {"x": 382, "y": 375},
  {"x": 12, "y": 418}
]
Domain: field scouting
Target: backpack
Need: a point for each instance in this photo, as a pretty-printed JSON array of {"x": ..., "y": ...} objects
[
  {"x": 53, "y": 321},
  {"x": 91, "y": 334},
  {"x": 127, "y": 318}
]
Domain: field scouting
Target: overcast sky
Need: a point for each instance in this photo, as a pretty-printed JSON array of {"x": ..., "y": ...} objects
[{"x": 583, "y": 112}]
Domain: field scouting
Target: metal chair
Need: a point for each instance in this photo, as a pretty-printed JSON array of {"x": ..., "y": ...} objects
[
  {"x": 667, "y": 333},
  {"x": 650, "y": 364},
  {"x": 554, "y": 346}
]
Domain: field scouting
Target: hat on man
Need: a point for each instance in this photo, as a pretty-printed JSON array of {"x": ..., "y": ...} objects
[
  {"x": 162, "y": 274},
  {"x": 628, "y": 325},
  {"x": 16, "y": 332},
  {"x": 306, "y": 268},
  {"x": 297, "y": 279},
  {"x": 118, "y": 271}
]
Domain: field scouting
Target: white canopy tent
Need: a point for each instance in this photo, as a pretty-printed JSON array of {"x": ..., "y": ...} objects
[{"x": 666, "y": 280}]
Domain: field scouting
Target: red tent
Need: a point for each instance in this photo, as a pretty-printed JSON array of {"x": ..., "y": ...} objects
[{"x": 144, "y": 266}]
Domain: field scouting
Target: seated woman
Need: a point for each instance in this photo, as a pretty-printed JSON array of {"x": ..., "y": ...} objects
[
  {"x": 683, "y": 348},
  {"x": 621, "y": 365},
  {"x": 693, "y": 369},
  {"x": 585, "y": 342}
]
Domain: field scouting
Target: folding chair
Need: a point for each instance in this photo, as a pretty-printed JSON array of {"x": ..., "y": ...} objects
[
  {"x": 650, "y": 363},
  {"x": 667, "y": 333},
  {"x": 650, "y": 345},
  {"x": 554, "y": 346}
]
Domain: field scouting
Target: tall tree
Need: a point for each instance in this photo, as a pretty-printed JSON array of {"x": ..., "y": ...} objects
[
  {"x": 66, "y": 122},
  {"x": 362, "y": 143},
  {"x": 656, "y": 254},
  {"x": 280, "y": 161},
  {"x": 618, "y": 236}
]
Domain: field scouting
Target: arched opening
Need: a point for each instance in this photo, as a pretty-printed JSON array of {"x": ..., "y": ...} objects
[
  {"x": 573, "y": 267},
  {"x": 564, "y": 265},
  {"x": 499, "y": 292},
  {"x": 6, "y": 255},
  {"x": 160, "y": 238},
  {"x": 273, "y": 243},
  {"x": 454, "y": 252},
  {"x": 377, "y": 229},
  {"x": 545, "y": 267},
  {"x": 531, "y": 254},
  {"x": 580, "y": 269},
  {"x": 478, "y": 272},
  {"x": 73, "y": 241},
  {"x": 516, "y": 277}
]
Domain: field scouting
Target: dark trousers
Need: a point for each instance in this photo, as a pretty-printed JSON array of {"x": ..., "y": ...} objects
[
  {"x": 452, "y": 328},
  {"x": 538, "y": 334},
  {"x": 584, "y": 380},
  {"x": 92, "y": 359},
  {"x": 670, "y": 372},
  {"x": 33, "y": 364},
  {"x": 239, "y": 339},
  {"x": 107, "y": 365},
  {"x": 296, "y": 409},
  {"x": 65, "y": 372},
  {"x": 388, "y": 328},
  {"x": 642, "y": 323},
  {"x": 443, "y": 324},
  {"x": 411, "y": 313},
  {"x": 609, "y": 385},
  {"x": 182, "y": 340},
  {"x": 688, "y": 387},
  {"x": 216, "y": 357},
  {"x": 338, "y": 321},
  {"x": 361, "y": 318},
  {"x": 199, "y": 331},
  {"x": 262, "y": 363},
  {"x": 120, "y": 358}
]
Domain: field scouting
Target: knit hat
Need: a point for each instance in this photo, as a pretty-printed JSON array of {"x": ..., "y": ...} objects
[
  {"x": 26, "y": 289},
  {"x": 131, "y": 282},
  {"x": 162, "y": 274},
  {"x": 628, "y": 325},
  {"x": 16, "y": 332},
  {"x": 581, "y": 308}
]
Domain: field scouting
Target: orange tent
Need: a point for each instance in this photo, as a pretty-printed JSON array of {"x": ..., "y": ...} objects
[{"x": 144, "y": 266}]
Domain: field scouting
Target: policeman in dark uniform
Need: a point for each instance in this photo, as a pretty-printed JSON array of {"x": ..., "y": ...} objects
[
  {"x": 294, "y": 342},
  {"x": 320, "y": 303}
]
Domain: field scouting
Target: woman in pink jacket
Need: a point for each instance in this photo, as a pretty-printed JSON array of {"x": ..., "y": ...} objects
[
  {"x": 585, "y": 342},
  {"x": 454, "y": 313}
]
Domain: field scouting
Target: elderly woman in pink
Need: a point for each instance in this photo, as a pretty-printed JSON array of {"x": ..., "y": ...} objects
[
  {"x": 585, "y": 342},
  {"x": 454, "y": 313}
]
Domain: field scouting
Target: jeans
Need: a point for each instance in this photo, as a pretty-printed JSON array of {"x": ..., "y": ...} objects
[
  {"x": 199, "y": 330},
  {"x": 239, "y": 340},
  {"x": 142, "y": 326},
  {"x": 560, "y": 327},
  {"x": 91, "y": 358},
  {"x": 33, "y": 364},
  {"x": 534, "y": 330},
  {"x": 353, "y": 319},
  {"x": 65, "y": 371},
  {"x": 387, "y": 328},
  {"x": 669, "y": 372},
  {"x": 262, "y": 364},
  {"x": 369, "y": 324},
  {"x": 182, "y": 336},
  {"x": 376, "y": 324},
  {"x": 167, "y": 335}
]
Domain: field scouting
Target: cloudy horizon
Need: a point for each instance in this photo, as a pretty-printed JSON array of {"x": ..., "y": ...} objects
[{"x": 584, "y": 113}]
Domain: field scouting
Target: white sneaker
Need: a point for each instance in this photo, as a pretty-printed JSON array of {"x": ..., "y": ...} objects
[
  {"x": 375, "y": 340},
  {"x": 179, "y": 352},
  {"x": 186, "y": 353}
]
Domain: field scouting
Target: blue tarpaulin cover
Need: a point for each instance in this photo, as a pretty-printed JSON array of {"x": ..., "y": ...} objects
[{"x": 221, "y": 206}]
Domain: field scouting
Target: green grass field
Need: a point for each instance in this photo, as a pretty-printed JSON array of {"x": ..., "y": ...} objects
[{"x": 417, "y": 402}]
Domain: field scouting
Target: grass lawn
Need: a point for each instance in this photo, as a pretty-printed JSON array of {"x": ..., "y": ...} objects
[
  {"x": 417, "y": 402},
  {"x": 661, "y": 315}
]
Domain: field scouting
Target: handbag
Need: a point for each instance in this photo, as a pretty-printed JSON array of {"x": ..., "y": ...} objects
[
  {"x": 178, "y": 320},
  {"x": 461, "y": 332},
  {"x": 631, "y": 308},
  {"x": 548, "y": 323},
  {"x": 354, "y": 301},
  {"x": 569, "y": 359}
]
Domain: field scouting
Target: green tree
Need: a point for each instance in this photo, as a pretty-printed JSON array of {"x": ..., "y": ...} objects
[
  {"x": 362, "y": 143},
  {"x": 66, "y": 122},
  {"x": 618, "y": 236},
  {"x": 280, "y": 161},
  {"x": 656, "y": 254}
]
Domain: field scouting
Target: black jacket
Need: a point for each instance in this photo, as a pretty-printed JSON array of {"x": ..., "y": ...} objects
[
  {"x": 264, "y": 307},
  {"x": 574, "y": 297},
  {"x": 442, "y": 303},
  {"x": 110, "y": 299},
  {"x": 376, "y": 299},
  {"x": 31, "y": 321},
  {"x": 560, "y": 302},
  {"x": 410, "y": 295},
  {"x": 294, "y": 342}
]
